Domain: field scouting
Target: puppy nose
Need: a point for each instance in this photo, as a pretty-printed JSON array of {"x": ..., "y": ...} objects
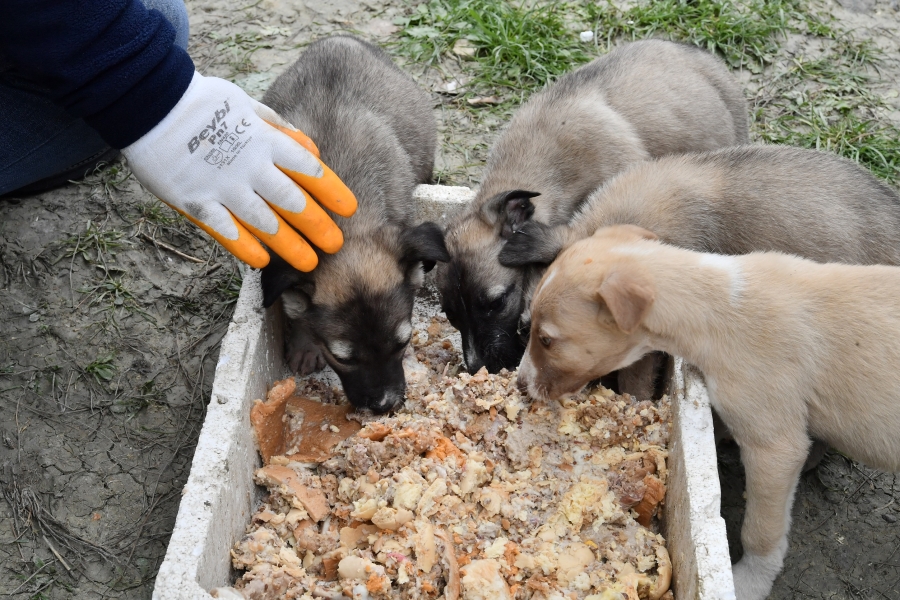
[
  {"x": 474, "y": 364},
  {"x": 387, "y": 403}
]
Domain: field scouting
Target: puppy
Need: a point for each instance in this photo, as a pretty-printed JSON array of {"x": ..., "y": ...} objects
[
  {"x": 789, "y": 349},
  {"x": 734, "y": 201},
  {"x": 374, "y": 127},
  {"x": 642, "y": 100}
]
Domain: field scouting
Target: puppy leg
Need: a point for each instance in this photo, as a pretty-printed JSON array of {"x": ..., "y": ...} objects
[
  {"x": 772, "y": 474},
  {"x": 639, "y": 379},
  {"x": 816, "y": 452},
  {"x": 302, "y": 353}
]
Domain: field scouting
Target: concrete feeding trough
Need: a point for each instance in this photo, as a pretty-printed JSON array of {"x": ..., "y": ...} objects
[{"x": 220, "y": 495}]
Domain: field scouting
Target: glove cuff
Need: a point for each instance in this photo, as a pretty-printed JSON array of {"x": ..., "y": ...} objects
[{"x": 163, "y": 127}]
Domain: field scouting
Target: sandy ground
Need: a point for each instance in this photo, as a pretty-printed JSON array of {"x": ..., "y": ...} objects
[{"x": 111, "y": 313}]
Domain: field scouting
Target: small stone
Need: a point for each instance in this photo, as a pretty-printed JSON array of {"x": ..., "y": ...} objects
[
  {"x": 483, "y": 100},
  {"x": 889, "y": 518},
  {"x": 586, "y": 36},
  {"x": 464, "y": 48}
]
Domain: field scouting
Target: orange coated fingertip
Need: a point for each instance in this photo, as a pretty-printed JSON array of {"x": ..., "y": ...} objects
[
  {"x": 328, "y": 190},
  {"x": 316, "y": 225},
  {"x": 245, "y": 247},
  {"x": 299, "y": 137},
  {"x": 287, "y": 244}
]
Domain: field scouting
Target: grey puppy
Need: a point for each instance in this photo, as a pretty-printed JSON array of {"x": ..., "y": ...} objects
[
  {"x": 735, "y": 201},
  {"x": 642, "y": 100},
  {"x": 375, "y": 129},
  {"x": 739, "y": 200}
]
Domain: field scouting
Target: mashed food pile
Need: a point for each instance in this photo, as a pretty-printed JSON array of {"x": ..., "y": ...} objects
[{"x": 470, "y": 491}]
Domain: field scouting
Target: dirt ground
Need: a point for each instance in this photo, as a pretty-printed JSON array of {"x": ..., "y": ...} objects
[{"x": 111, "y": 312}]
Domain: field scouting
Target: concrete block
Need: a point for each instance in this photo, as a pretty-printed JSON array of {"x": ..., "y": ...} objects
[
  {"x": 220, "y": 495},
  {"x": 438, "y": 203}
]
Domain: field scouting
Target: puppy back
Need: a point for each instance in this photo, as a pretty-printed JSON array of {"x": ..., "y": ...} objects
[
  {"x": 680, "y": 97},
  {"x": 756, "y": 198},
  {"x": 642, "y": 100},
  {"x": 372, "y": 124}
]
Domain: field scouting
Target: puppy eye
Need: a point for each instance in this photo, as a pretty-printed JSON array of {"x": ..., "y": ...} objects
[
  {"x": 400, "y": 347},
  {"x": 545, "y": 341},
  {"x": 498, "y": 302}
]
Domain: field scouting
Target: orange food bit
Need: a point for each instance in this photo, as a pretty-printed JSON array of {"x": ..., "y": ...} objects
[
  {"x": 375, "y": 432},
  {"x": 445, "y": 448}
]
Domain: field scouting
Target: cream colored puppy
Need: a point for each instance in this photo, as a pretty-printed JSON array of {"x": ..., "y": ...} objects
[{"x": 790, "y": 349}]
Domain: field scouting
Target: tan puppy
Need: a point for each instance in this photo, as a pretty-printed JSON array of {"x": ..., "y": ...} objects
[
  {"x": 789, "y": 348},
  {"x": 732, "y": 201}
]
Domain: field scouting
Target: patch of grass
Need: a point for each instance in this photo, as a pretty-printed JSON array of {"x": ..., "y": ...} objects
[
  {"x": 110, "y": 295},
  {"x": 92, "y": 244},
  {"x": 230, "y": 288},
  {"x": 106, "y": 178},
  {"x": 821, "y": 103},
  {"x": 745, "y": 33},
  {"x": 509, "y": 44},
  {"x": 102, "y": 368},
  {"x": 156, "y": 213},
  {"x": 825, "y": 103},
  {"x": 112, "y": 291},
  {"x": 867, "y": 141}
]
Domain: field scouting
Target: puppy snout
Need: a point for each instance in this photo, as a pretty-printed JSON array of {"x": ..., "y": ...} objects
[
  {"x": 523, "y": 376},
  {"x": 522, "y": 384},
  {"x": 388, "y": 402}
]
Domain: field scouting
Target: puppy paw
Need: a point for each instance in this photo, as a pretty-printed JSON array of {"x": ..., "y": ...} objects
[
  {"x": 302, "y": 353},
  {"x": 754, "y": 576},
  {"x": 304, "y": 362}
]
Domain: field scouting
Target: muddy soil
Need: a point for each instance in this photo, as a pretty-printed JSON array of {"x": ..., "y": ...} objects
[{"x": 111, "y": 312}]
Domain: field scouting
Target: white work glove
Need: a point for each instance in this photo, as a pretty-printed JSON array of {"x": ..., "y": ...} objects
[{"x": 235, "y": 168}]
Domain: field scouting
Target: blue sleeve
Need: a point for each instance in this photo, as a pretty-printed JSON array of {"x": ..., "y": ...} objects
[{"x": 111, "y": 62}]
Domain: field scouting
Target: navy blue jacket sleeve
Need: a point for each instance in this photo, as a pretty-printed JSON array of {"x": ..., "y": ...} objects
[{"x": 111, "y": 62}]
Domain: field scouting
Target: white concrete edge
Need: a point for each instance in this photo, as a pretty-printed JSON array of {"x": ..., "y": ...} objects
[
  {"x": 220, "y": 494},
  {"x": 694, "y": 528}
]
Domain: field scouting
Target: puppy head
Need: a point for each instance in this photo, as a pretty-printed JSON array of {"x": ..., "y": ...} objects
[
  {"x": 587, "y": 313},
  {"x": 482, "y": 299},
  {"x": 358, "y": 305}
]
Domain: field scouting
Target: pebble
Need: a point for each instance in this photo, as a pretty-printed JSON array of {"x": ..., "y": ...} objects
[{"x": 889, "y": 518}]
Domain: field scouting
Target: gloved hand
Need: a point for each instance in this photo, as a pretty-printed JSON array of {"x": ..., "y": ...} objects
[{"x": 235, "y": 168}]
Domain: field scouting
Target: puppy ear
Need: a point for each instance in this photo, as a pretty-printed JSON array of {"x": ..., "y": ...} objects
[
  {"x": 533, "y": 244},
  {"x": 278, "y": 276},
  {"x": 628, "y": 297},
  {"x": 424, "y": 243},
  {"x": 510, "y": 210},
  {"x": 295, "y": 303}
]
